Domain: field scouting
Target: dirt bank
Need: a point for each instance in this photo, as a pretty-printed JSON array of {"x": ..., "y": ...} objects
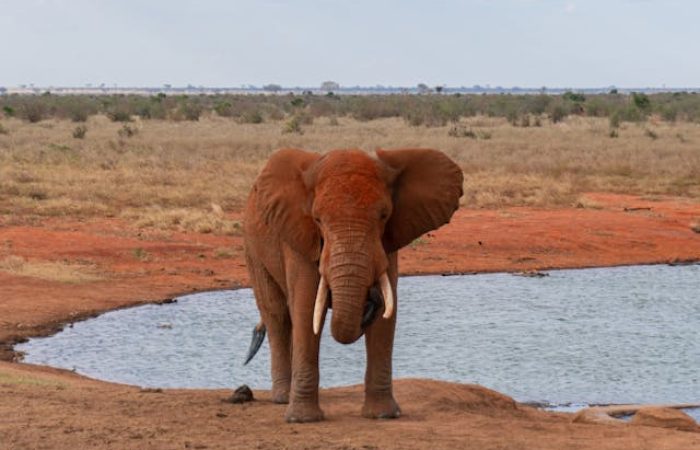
[{"x": 45, "y": 408}]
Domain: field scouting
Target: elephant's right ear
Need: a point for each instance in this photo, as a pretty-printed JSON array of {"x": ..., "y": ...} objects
[{"x": 283, "y": 199}]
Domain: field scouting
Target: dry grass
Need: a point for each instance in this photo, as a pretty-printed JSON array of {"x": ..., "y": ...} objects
[
  {"x": 168, "y": 174},
  {"x": 183, "y": 219},
  {"x": 63, "y": 272}
]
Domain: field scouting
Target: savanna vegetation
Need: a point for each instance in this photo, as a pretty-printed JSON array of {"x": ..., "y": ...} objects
[{"x": 178, "y": 162}]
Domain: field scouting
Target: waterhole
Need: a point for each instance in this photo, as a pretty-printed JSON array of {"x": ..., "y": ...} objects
[{"x": 575, "y": 337}]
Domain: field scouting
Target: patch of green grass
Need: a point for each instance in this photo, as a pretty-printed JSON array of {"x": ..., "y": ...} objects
[
  {"x": 418, "y": 242},
  {"x": 141, "y": 254},
  {"x": 225, "y": 253},
  {"x": 8, "y": 379}
]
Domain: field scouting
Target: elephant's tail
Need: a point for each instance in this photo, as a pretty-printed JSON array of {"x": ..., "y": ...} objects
[{"x": 258, "y": 338}]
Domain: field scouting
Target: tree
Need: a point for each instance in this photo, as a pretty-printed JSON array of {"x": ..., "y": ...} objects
[
  {"x": 329, "y": 86},
  {"x": 272, "y": 87},
  {"x": 423, "y": 88}
]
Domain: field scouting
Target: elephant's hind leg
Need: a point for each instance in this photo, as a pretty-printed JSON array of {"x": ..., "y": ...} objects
[{"x": 275, "y": 315}]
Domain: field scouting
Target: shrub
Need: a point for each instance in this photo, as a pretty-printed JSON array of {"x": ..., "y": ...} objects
[
  {"x": 641, "y": 101},
  {"x": 464, "y": 132},
  {"x": 537, "y": 104},
  {"x": 34, "y": 109},
  {"x": 251, "y": 117},
  {"x": 223, "y": 108},
  {"x": 461, "y": 132},
  {"x": 669, "y": 113},
  {"x": 9, "y": 111},
  {"x": 79, "y": 132},
  {"x": 557, "y": 113},
  {"x": 190, "y": 111},
  {"x": 293, "y": 125},
  {"x": 297, "y": 102},
  {"x": 127, "y": 131},
  {"x": 574, "y": 97},
  {"x": 614, "y": 120},
  {"x": 3, "y": 130},
  {"x": 119, "y": 115}
]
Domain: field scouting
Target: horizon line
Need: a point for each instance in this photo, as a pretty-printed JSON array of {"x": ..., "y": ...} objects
[{"x": 278, "y": 88}]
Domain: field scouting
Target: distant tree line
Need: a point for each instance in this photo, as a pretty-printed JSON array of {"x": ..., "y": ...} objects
[{"x": 417, "y": 110}]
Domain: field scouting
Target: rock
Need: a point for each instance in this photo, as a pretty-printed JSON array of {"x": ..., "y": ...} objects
[
  {"x": 594, "y": 415},
  {"x": 242, "y": 394},
  {"x": 532, "y": 274},
  {"x": 665, "y": 418}
]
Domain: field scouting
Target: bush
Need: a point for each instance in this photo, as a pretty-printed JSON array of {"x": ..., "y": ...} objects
[
  {"x": 669, "y": 114},
  {"x": 574, "y": 97},
  {"x": 464, "y": 132},
  {"x": 79, "y": 132},
  {"x": 223, "y": 108},
  {"x": 641, "y": 101},
  {"x": 190, "y": 111},
  {"x": 293, "y": 125},
  {"x": 251, "y": 117},
  {"x": 34, "y": 109},
  {"x": 127, "y": 131},
  {"x": 557, "y": 113},
  {"x": 651, "y": 134},
  {"x": 614, "y": 120},
  {"x": 9, "y": 111},
  {"x": 297, "y": 102},
  {"x": 119, "y": 115}
]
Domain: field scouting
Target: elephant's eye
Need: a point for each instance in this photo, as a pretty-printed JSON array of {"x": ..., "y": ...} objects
[{"x": 317, "y": 220}]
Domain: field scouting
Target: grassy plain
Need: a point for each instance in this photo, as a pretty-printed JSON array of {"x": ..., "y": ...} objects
[{"x": 188, "y": 174}]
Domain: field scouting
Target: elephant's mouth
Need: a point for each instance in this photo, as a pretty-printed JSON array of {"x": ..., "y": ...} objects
[
  {"x": 373, "y": 305},
  {"x": 380, "y": 297}
]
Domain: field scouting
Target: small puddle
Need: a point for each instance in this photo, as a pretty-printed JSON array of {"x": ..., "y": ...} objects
[{"x": 593, "y": 336}]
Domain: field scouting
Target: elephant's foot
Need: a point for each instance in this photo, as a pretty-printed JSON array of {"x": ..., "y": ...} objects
[
  {"x": 380, "y": 407},
  {"x": 298, "y": 412},
  {"x": 280, "y": 394}
]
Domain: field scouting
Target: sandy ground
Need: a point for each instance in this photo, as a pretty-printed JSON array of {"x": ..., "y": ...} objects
[{"x": 46, "y": 408}]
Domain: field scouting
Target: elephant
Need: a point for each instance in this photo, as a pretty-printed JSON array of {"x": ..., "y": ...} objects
[{"x": 322, "y": 232}]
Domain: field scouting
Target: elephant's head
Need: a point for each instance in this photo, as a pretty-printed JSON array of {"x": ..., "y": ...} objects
[{"x": 348, "y": 211}]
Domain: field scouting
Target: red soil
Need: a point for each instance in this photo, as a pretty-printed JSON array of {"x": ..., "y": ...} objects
[{"x": 45, "y": 408}]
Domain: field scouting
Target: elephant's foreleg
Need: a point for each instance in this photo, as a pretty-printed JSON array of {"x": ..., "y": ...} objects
[
  {"x": 379, "y": 342},
  {"x": 303, "y": 402}
]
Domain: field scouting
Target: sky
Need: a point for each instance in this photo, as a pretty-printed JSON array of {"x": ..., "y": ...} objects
[{"x": 230, "y": 43}]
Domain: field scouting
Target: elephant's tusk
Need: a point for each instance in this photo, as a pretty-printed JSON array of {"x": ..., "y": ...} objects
[
  {"x": 320, "y": 305},
  {"x": 388, "y": 294}
]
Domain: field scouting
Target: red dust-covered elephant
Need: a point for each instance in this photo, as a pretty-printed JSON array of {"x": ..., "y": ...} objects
[{"x": 323, "y": 231}]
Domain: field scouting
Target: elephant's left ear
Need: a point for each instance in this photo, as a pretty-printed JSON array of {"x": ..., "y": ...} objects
[{"x": 426, "y": 193}]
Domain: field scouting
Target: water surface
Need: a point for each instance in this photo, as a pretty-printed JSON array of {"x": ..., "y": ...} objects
[{"x": 612, "y": 335}]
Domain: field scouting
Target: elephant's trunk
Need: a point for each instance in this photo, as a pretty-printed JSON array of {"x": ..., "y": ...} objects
[
  {"x": 348, "y": 308},
  {"x": 352, "y": 266}
]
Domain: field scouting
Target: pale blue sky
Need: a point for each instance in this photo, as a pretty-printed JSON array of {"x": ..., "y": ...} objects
[{"x": 532, "y": 43}]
